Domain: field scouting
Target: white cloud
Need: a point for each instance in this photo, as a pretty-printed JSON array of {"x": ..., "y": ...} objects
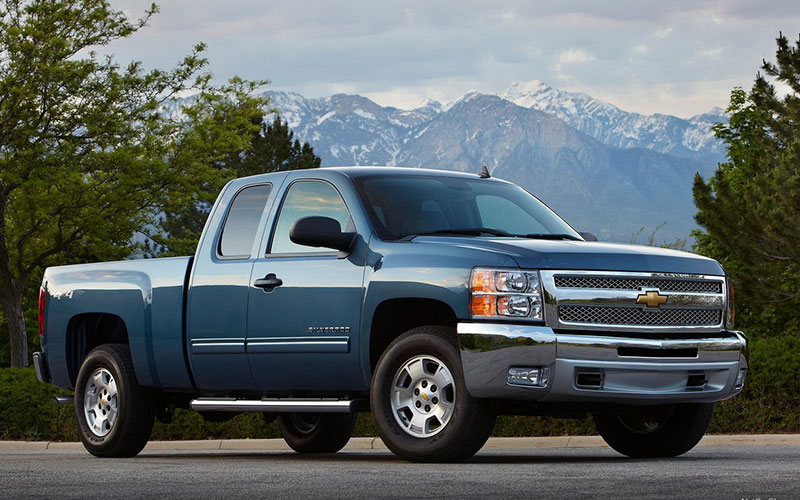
[
  {"x": 681, "y": 56},
  {"x": 664, "y": 32},
  {"x": 572, "y": 56},
  {"x": 710, "y": 52}
]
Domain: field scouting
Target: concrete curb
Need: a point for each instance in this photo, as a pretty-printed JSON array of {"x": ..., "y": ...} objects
[{"x": 374, "y": 443}]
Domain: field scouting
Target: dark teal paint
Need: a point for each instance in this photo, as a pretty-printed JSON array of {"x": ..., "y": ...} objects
[{"x": 226, "y": 312}]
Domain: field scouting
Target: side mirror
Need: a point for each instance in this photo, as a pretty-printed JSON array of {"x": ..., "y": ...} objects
[
  {"x": 321, "y": 232},
  {"x": 587, "y": 236}
]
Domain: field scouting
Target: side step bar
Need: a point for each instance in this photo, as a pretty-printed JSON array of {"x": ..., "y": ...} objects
[
  {"x": 281, "y": 405},
  {"x": 65, "y": 400}
]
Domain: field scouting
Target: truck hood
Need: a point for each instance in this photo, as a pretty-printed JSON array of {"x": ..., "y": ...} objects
[{"x": 548, "y": 254}]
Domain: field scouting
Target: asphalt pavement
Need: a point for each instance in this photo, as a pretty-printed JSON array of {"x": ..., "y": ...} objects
[{"x": 505, "y": 469}]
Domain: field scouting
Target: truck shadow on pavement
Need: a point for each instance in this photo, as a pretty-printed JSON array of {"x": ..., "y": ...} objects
[{"x": 382, "y": 456}]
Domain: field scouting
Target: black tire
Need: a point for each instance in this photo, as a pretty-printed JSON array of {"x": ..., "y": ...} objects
[
  {"x": 135, "y": 409},
  {"x": 471, "y": 421},
  {"x": 317, "y": 432},
  {"x": 655, "y": 431}
]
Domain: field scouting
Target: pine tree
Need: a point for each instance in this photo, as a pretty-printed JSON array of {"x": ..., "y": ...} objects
[
  {"x": 272, "y": 148},
  {"x": 750, "y": 209}
]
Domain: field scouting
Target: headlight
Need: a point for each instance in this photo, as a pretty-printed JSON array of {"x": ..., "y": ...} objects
[{"x": 504, "y": 293}]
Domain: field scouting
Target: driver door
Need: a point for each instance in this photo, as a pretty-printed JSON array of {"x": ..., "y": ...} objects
[{"x": 301, "y": 334}]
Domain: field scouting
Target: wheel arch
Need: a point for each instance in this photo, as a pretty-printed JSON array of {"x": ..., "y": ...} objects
[
  {"x": 87, "y": 331},
  {"x": 394, "y": 316}
]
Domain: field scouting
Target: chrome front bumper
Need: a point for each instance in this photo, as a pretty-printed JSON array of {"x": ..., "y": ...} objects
[{"x": 620, "y": 369}]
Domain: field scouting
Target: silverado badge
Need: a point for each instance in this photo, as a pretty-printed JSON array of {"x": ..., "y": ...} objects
[{"x": 651, "y": 299}]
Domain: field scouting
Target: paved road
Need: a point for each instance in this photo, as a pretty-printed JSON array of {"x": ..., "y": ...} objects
[{"x": 726, "y": 472}]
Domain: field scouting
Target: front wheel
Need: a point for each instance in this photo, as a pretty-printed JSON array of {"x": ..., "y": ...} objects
[
  {"x": 655, "y": 431},
  {"x": 317, "y": 432},
  {"x": 420, "y": 403},
  {"x": 114, "y": 414}
]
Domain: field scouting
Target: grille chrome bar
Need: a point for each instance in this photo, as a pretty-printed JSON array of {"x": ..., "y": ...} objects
[
  {"x": 623, "y": 283},
  {"x": 598, "y": 300}
]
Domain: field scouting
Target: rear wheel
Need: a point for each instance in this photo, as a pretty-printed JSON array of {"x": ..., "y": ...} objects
[
  {"x": 317, "y": 432},
  {"x": 420, "y": 403},
  {"x": 655, "y": 431},
  {"x": 114, "y": 414}
]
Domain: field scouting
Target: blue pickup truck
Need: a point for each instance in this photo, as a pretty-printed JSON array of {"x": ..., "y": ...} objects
[{"x": 436, "y": 300}]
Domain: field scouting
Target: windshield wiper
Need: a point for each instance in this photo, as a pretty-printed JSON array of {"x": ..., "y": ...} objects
[
  {"x": 549, "y": 236},
  {"x": 472, "y": 231}
]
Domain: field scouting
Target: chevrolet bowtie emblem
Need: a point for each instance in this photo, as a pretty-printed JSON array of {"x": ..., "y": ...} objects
[{"x": 651, "y": 299}]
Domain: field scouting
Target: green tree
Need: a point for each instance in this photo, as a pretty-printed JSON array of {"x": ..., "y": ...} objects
[
  {"x": 87, "y": 156},
  {"x": 272, "y": 148},
  {"x": 750, "y": 209}
]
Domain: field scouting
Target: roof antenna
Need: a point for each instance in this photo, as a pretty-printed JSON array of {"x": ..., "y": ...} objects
[{"x": 484, "y": 173}]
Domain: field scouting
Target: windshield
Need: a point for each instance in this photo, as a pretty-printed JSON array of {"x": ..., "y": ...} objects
[{"x": 408, "y": 205}]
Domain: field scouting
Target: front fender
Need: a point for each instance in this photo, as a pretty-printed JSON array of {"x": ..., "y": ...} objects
[{"x": 409, "y": 270}]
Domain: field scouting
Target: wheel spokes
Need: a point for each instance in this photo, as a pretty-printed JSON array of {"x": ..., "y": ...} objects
[
  {"x": 423, "y": 396},
  {"x": 101, "y": 402}
]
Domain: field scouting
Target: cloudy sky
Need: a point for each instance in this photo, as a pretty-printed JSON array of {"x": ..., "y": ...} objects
[{"x": 677, "y": 57}]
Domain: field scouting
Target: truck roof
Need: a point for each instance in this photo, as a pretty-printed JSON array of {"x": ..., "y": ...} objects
[{"x": 362, "y": 171}]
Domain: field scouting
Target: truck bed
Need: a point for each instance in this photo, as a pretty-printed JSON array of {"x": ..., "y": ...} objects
[{"x": 148, "y": 294}]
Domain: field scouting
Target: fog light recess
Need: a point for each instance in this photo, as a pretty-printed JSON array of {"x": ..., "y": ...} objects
[
  {"x": 740, "y": 378},
  {"x": 528, "y": 376}
]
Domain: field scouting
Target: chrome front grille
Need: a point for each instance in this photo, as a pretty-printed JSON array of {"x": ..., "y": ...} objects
[
  {"x": 601, "y": 315},
  {"x": 621, "y": 283},
  {"x": 619, "y": 302}
]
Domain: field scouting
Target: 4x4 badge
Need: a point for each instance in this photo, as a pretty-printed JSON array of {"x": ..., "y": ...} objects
[{"x": 651, "y": 299}]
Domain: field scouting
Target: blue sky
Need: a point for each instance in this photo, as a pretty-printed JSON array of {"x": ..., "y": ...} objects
[{"x": 679, "y": 57}]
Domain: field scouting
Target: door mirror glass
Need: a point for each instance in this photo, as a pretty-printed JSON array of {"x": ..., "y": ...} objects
[{"x": 318, "y": 231}]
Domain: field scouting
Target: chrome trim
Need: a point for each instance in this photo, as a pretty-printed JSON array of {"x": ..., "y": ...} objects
[
  {"x": 279, "y": 405},
  {"x": 65, "y": 400},
  {"x": 206, "y": 344},
  {"x": 40, "y": 367},
  {"x": 553, "y": 297},
  {"x": 298, "y": 340},
  {"x": 218, "y": 345},
  {"x": 268, "y": 345},
  {"x": 600, "y": 348},
  {"x": 488, "y": 350}
]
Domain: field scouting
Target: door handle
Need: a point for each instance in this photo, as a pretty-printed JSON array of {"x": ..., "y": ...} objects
[{"x": 268, "y": 282}]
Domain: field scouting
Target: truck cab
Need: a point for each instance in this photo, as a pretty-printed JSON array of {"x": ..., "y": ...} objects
[{"x": 437, "y": 300}]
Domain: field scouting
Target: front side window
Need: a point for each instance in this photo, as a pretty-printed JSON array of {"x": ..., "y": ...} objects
[
  {"x": 241, "y": 224},
  {"x": 306, "y": 199}
]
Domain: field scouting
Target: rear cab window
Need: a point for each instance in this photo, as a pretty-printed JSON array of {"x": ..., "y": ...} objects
[{"x": 241, "y": 223}]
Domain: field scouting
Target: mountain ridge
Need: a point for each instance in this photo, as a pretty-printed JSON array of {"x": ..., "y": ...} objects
[{"x": 607, "y": 170}]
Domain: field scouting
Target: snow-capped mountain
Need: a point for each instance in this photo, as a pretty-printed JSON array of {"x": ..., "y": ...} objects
[
  {"x": 351, "y": 129},
  {"x": 604, "y": 169},
  {"x": 607, "y": 123}
]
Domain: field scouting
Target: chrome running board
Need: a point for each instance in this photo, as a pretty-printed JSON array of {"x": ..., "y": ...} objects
[
  {"x": 65, "y": 400},
  {"x": 282, "y": 405}
]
